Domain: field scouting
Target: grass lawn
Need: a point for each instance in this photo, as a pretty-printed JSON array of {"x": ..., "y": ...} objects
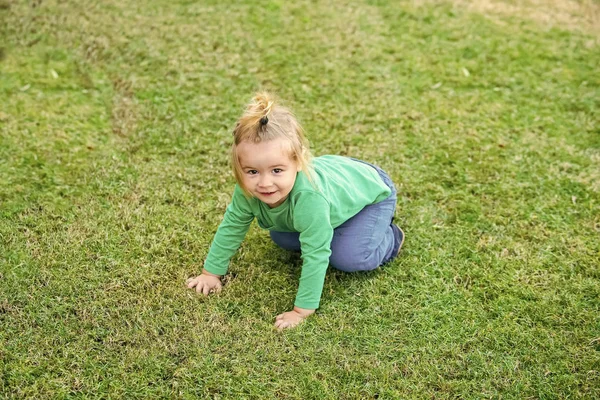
[{"x": 115, "y": 125}]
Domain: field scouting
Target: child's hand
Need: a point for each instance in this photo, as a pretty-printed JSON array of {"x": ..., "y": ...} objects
[
  {"x": 205, "y": 283},
  {"x": 292, "y": 318}
]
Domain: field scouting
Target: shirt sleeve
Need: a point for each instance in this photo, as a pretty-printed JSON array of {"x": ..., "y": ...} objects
[
  {"x": 230, "y": 234},
  {"x": 312, "y": 220}
]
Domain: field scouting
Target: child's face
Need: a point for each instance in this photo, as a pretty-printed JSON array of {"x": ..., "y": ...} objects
[{"x": 268, "y": 171}]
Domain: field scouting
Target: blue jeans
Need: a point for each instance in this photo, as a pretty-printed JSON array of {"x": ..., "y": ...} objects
[{"x": 362, "y": 243}]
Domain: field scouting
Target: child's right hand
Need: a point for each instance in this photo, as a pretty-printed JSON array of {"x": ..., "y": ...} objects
[{"x": 205, "y": 283}]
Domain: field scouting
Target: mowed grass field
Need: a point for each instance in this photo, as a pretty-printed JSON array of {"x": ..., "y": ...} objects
[{"x": 115, "y": 125}]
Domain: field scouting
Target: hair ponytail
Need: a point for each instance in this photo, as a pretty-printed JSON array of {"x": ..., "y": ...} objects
[
  {"x": 264, "y": 103},
  {"x": 255, "y": 117}
]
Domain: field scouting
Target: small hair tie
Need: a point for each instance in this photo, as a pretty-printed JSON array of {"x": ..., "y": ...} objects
[{"x": 264, "y": 120}]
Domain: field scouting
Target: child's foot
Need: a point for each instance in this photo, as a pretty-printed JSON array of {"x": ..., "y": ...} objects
[{"x": 399, "y": 236}]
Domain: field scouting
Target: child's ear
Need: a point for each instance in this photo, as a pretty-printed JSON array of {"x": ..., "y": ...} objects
[{"x": 298, "y": 164}]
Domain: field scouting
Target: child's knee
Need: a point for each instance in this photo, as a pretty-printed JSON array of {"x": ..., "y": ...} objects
[{"x": 352, "y": 262}]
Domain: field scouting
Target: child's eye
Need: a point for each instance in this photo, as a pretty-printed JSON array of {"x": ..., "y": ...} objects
[
  {"x": 252, "y": 172},
  {"x": 277, "y": 170}
]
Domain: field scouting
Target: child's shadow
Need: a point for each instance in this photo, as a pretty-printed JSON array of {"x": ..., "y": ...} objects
[
  {"x": 338, "y": 284},
  {"x": 261, "y": 262}
]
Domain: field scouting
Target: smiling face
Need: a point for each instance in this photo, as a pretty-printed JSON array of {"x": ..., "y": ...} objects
[{"x": 268, "y": 171}]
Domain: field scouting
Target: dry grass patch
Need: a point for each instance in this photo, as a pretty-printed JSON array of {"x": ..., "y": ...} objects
[
  {"x": 583, "y": 15},
  {"x": 124, "y": 114}
]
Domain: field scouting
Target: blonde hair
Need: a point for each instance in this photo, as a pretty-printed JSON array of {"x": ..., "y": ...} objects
[{"x": 266, "y": 120}]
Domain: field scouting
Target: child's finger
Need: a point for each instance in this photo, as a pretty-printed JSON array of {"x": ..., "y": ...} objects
[
  {"x": 279, "y": 317},
  {"x": 199, "y": 286},
  {"x": 282, "y": 325},
  {"x": 205, "y": 289}
]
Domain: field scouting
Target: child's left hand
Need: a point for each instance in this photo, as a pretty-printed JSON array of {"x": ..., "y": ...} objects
[{"x": 292, "y": 318}]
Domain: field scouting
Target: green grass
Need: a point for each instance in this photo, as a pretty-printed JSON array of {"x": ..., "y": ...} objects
[{"x": 115, "y": 123}]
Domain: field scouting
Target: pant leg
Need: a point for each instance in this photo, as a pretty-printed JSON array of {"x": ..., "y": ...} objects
[
  {"x": 367, "y": 240},
  {"x": 286, "y": 240}
]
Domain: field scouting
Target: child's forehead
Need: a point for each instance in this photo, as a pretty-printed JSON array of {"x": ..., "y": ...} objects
[
  {"x": 278, "y": 145},
  {"x": 264, "y": 152}
]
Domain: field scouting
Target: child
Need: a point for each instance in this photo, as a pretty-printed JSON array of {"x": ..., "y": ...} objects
[{"x": 335, "y": 210}]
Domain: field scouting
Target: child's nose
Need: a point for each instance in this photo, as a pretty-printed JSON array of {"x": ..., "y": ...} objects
[{"x": 264, "y": 181}]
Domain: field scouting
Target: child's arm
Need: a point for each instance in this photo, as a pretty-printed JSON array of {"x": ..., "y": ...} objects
[
  {"x": 227, "y": 240},
  {"x": 311, "y": 219}
]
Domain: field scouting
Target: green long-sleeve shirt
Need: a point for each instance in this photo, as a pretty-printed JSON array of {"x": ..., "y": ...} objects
[{"x": 340, "y": 188}]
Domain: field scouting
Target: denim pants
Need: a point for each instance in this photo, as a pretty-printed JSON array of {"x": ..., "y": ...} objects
[{"x": 362, "y": 243}]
